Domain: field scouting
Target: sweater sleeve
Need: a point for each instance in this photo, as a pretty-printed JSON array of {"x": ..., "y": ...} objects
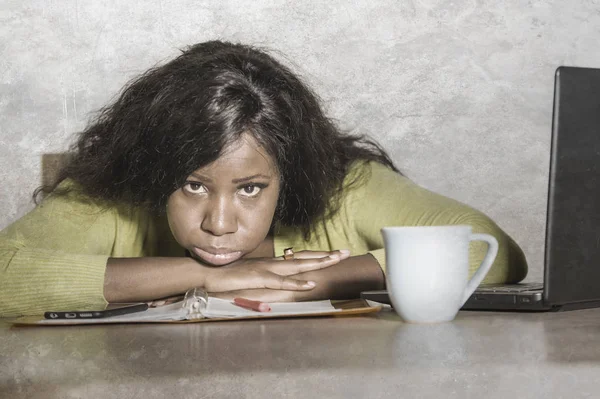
[
  {"x": 386, "y": 198},
  {"x": 54, "y": 258}
]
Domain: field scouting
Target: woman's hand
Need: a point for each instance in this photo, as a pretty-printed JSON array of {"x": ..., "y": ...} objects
[
  {"x": 344, "y": 280},
  {"x": 271, "y": 273}
]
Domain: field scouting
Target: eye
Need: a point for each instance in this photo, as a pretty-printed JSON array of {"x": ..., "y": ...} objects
[
  {"x": 251, "y": 190},
  {"x": 194, "y": 188}
]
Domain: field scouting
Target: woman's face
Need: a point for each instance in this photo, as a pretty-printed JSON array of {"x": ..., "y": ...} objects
[{"x": 225, "y": 209}]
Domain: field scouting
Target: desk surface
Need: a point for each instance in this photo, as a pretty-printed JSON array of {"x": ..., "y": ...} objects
[{"x": 479, "y": 355}]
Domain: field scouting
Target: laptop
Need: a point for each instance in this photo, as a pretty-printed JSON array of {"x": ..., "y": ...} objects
[{"x": 572, "y": 244}]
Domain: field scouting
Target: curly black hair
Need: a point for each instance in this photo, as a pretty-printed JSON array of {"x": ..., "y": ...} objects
[{"x": 178, "y": 117}]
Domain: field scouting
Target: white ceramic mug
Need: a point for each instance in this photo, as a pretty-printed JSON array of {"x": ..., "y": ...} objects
[{"x": 427, "y": 270}]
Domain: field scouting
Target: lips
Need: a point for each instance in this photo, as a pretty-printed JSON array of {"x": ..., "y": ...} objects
[{"x": 217, "y": 256}]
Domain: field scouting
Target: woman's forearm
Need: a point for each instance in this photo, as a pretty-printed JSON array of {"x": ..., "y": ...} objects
[
  {"x": 344, "y": 280},
  {"x": 141, "y": 279}
]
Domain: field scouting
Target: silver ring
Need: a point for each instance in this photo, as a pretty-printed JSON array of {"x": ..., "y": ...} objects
[{"x": 288, "y": 254}]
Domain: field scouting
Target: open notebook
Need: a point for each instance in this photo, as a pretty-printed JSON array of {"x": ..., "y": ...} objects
[{"x": 197, "y": 306}]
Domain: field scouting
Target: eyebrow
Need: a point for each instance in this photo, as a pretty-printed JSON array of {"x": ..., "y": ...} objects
[
  {"x": 234, "y": 181},
  {"x": 248, "y": 178}
]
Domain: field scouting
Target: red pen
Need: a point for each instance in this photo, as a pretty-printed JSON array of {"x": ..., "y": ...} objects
[{"x": 252, "y": 305}]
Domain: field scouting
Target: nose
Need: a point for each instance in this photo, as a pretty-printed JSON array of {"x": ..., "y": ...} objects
[{"x": 219, "y": 217}]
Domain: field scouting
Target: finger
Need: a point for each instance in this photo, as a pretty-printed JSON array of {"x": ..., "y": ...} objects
[
  {"x": 277, "y": 282},
  {"x": 263, "y": 295},
  {"x": 296, "y": 266},
  {"x": 342, "y": 253},
  {"x": 165, "y": 301},
  {"x": 256, "y": 280}
]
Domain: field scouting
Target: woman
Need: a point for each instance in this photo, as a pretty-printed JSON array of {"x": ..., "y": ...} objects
[{"x": 199, "y": 175}]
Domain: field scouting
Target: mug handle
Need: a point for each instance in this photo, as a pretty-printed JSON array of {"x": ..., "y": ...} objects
[{"x": 484, "y": 268}]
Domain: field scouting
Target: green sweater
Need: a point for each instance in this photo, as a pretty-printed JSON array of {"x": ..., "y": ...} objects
[{"x": 55, "y": 256}]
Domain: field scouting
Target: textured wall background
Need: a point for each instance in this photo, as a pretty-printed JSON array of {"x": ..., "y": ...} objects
[{"x": 460, "y": 92}]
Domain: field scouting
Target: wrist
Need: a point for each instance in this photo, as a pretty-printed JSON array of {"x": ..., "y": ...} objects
[{"x": 197, "y": 273}]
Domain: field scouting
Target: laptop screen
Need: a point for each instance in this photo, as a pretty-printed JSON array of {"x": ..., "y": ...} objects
[{"x": 572, "y": 255}]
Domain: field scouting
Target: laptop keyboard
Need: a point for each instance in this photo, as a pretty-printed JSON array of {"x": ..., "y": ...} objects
[{"x": 510, "y": 287}]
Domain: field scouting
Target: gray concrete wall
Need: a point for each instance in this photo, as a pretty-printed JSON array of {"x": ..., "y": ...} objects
[{"x": 459, "y": 92}]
